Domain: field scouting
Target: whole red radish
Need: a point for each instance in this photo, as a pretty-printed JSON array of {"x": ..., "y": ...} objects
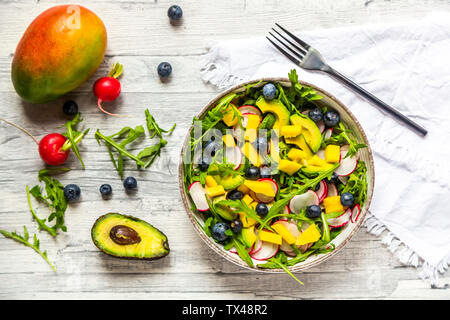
[
  {"x": 108, "y": 88},
  {"x": 50, "y": 149}
]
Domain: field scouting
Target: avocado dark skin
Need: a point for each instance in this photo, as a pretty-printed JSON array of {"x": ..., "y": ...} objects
[{"x": 126, "y": 231}]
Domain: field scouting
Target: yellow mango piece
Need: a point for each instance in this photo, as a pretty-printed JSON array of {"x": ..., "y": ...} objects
[
  {"x": 290, "y": 131},
  {"x": 250, "y": 135},
  {"x": 317, "y": 161},
  {"x": 244, "y": 189},
  {"x": 262, "y": 187},
  {"x": 270, "y": 237},
  {"x": 228, "y": 140},
  {"x": 297, "y": 155},
  {"x": 251, "y": 154},
  {"x": 247, "y": 199},
  {"x": 284, "y": 233},
  {"x": 311, "y": 234},
  {"x": 332, "y": 153},
  {"x": 230, "y": 117},
  {"x": 253, "y": 121},
  {"x": 333, "y": 204},
  {"x": 274, "y": 151},
  {"x": 290, "y": 167},
  {"x": 210, "y": 181},
  {"x": 215, "y": 191},
  {"x": 246, "y": 221}
]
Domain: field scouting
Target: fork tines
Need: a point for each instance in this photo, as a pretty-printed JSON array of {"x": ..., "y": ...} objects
[{"x": 298, "y": 49}]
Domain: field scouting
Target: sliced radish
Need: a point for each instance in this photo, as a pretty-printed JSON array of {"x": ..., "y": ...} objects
[
  {"x": 267, "y": 251},
  {"x": 340, "y": 221},
  {"x": 332, "y": 190},
  {"x": 355, "y": 213},
  {"x": 346, "y": 165},
  {"x": 249, "y": 109},
  {"x": 328, "y": 134},
  {"x": 256, "y": 247},
  {"x": 292, "y": 228},
  {"x": 322, "y": 192},
  {"x": 233, "y": 250},
  {"x": 321, "y": 126},
  {"x": 343, "y": 179},
  {"x": 237, "y": 132},
  {"x": 198, "y": 196},
  {"x": 234, "y": 156},
  {"x": 302, "y": 201}
]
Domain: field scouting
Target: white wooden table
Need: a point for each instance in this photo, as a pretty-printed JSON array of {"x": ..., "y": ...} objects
[{"x": 140, "y": 37}]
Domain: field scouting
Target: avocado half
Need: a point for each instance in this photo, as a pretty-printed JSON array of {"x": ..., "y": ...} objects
[{"x": 128, "y": 237}]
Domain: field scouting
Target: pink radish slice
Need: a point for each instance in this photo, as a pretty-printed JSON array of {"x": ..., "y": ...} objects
[
  {"x": 256, "y": 247},
  {"x": 332, "y": 190},
  {"x": 249, "y": 109},
  {"x": 355, "y": 213},
  {"x": 321, "y": 126},
  {"x": 328, "y": 134},
  {"x": 346, "y": 165},
  {"x": 301, "y": 201},
  {"x": 340, "y": 221},
  {"x": 198, "y": 194},
  {"x": 323, "y": 190},
  {"x": 233, "y": 250},
  {"x": 234, "y": 156},
  {"x": 237, "y": 132},
  {"x": 267, "y": 251}
]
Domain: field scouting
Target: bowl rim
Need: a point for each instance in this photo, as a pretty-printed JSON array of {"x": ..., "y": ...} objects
[{"x": 236, "y": 260}]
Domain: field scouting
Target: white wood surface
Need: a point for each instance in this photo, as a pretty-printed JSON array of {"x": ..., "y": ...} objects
[{"x": 140, "y": 37}]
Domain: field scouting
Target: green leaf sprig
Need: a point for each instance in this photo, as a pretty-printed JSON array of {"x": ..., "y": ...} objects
[{"x": 74, "y": 137}]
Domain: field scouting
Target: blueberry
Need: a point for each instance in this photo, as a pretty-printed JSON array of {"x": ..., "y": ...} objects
[
  {"x": 130, "y": 183},
  {"x": 315, "y": 114},
  {"x": 313, "y": 211},
  {"x": 218, "y": 231},
  {"x": 333, "y": 179},
  {"x": 236, "y": 226},
  {"x": 175, "y": 12},
  {"x": 72, "y": 192},
  {"x": 262, "y": 210},
  {"x": 164, "y": 69},
  {"x": 105, "y": 190},
  {"x": 261, "y": 145},
  {"x": 347, "y": 199},
  {"x": 252, "y": 173},
  {"x": 235, "y": 195},
  {"x": 204, "y": 163},
  {"x": 269, "y": 91},
  {"x": 70, "y": 108},
  {"x": 331, "y": 118},
  {"x": 211, "y": 147},
  {"x": 265, "y": 172}
]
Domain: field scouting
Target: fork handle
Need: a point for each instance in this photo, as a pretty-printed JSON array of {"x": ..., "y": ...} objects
[{"x": 382, "y": 105}]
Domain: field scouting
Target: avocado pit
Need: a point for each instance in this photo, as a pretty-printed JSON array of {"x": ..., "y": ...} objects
[{"x": 124, "y": 235}]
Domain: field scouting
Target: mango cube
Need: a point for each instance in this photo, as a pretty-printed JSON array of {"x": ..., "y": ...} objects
[
  {"x": 230, "y": 117},
  {"x": 290, "y": 131},
  {"x": 297, "y": 155},
  {"x": 270, "y": 237},
  {"x": 290, "y": 167},
  {"x": 246, "y": 221},
  {"x": 247, "y": 199},
  {"x": 332, "y": 153},
  {"x": 228, "y": 140},
  {"x": 243, "y": 188},
  {"x": 215, "y": 191},
  {"x": 284, "y": 233},
  {"x": 210, "y": 181},
  {"x": 251, "y": 154},
  {"x": 263, "y": 187},
  {"x": 333, "y": 204},
  {"x": 311, "y": 234}
]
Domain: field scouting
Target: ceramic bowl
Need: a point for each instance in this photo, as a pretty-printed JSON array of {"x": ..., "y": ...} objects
[{"x": 348, "y": 231}]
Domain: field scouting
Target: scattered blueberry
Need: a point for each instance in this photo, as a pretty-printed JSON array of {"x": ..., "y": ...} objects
[
  {"x": 164, "y": 69},
  {"x": 130, "y": 183},
  {"x": 235, "y": 195},
  {"x": 347, "y": 199},
  {"x": 175, "y": 12},
  {"x": 315, "y": 114},
  {"x": 262, "y": 210},
  {"x": 105, "y": 190},
  {"x": 331, "y": 118},
  {"x": 211, "y": 147},
  {"x": 236, "y": 226},
  {"x": 265, "y": 172},
  {"x": 70, "y": 108},
  {"x": 269, "y": 91},
  {"x": 261, "y": 145},
  {"x": 252, "y": 173},
  {"x": 313, "y": 211},
  {"x": 204, "y": 163},
  {"x": 333, "y": 179},
  {"x": 72, "y": 192},
  {"x": 218, "y": 231}
]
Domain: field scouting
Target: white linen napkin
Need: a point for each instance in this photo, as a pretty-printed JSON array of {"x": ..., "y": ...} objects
[{"x": 408, "y": 66}]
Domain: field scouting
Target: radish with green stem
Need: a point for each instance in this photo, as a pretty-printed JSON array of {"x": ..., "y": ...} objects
[{"x": 108, "y": 88}]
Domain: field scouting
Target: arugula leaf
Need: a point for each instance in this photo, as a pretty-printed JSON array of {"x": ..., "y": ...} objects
[
  {"x": 24, "y": 240},
  {"x": 357, "y": 184},
  {"x": 242, "y": 252},
  {"x": 279, "y": 261},
  {"x": 342, "y": 135},
  {"x": 152, "y": 126},
  {"x": 74, "y": 137}
]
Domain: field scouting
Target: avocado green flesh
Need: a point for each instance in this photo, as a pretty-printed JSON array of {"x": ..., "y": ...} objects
[
  {"x": 153, "y": 244},
  {"x": 231, "y": 182},
  {"x": 225, "y": 212}
]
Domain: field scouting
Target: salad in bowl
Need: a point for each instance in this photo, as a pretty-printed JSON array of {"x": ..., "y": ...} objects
[{"x": 276, "y": 175}]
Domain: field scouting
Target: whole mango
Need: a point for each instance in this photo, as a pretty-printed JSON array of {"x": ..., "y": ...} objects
[{"x": 59, "y": 51}]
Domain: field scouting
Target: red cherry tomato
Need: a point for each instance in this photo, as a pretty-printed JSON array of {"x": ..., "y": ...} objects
[{"x": 50, "y": 149}]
